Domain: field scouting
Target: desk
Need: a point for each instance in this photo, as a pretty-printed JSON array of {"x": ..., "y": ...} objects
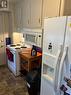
[{"x": 29, "y": 62}]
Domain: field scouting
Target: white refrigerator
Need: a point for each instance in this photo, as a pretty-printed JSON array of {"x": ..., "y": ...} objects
[{"x": 56, "y": 56}]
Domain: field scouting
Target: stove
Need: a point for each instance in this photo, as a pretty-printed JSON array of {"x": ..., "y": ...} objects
[
  {"x": 17, "y": 47},
  {"x": 14, "y": 65}
]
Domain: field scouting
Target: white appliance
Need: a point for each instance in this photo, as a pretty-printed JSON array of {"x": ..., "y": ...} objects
[
  {"x": 56, "y": 55},
  {"x": 33, "y": 37},
  {"x": 14, "y": 65}
]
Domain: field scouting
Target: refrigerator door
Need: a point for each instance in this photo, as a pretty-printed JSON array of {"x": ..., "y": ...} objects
[
  {"x": 65, "y": 64},
  {"x": 63, "y": 70},
  {"x": 54, "y": 31},
  {"x": 68, "y": 44},
  {"x": 68, "y": 38}
]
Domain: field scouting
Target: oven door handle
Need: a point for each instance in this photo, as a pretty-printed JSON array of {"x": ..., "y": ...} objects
[{"x": 12, "y": 52}]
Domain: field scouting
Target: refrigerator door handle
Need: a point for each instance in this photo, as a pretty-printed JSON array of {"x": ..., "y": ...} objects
[
  {"x": 58, "y": 59},
  {"x": 61, "y": 66}
]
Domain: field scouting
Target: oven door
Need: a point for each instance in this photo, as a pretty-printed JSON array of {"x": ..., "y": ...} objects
[{"x": 12, "y": 64}]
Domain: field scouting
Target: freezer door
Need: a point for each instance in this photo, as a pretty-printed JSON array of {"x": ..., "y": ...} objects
[
  {"x": 64, "y": 71},
  {"x": 46, "y": 88},
  {"x": 53, "y": 37},
  {"x": 54, "y": 29}
]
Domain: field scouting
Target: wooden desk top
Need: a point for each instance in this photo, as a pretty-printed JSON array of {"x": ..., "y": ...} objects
[{"x": 26, "y": 54}]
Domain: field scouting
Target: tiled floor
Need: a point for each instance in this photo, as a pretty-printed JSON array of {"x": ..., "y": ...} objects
[{"x": 11, "y": 85}]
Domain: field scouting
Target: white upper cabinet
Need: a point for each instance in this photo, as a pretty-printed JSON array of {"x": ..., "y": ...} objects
[
  {"x": 17, "y": 15},
  {"x": 51, "y": 8},
  {"x": 31, "y": 13},
  {"x": 36, "y": 12},
  {"x": 6, "y": 25},
  {"x": 65, "y": 8},
  {"x": 56, "y": 8},
  {"x": 28, "y": 13},
  {"x": 25, "y": 13}
]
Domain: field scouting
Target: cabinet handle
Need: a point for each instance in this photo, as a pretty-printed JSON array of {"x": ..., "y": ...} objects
[
  {"x": 39, "y": 20},
  {"x": 1, "y": 46},
  {"x": 28, "y": 21},
  {"x": 2, "y": 41}
]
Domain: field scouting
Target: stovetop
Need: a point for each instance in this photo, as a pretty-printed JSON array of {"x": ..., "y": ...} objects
[
  {"x": 17, "y": 47},
  {"x": 20, "y": 47}
]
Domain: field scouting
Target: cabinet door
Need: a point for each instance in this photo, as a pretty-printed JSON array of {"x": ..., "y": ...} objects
[
  {"x": 6, "y": 25},
  {"x": 2, "y": 55},
  {"x": 25, "y": 13},
  {"x": 2, "y": 49},
  {"x": 36, "y": 8},
  {"x": 6, "y": 31},
  {"x": 51, "y": 8},
  {"x": 65, "y": 9},
  {"x": 17, "y": 15}
]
